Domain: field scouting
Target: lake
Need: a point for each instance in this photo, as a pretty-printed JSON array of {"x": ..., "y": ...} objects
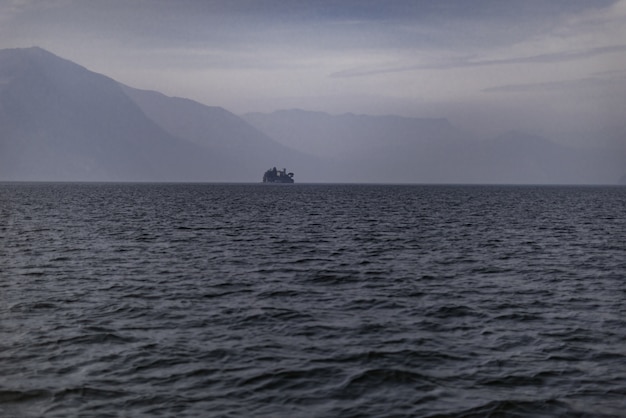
[{"x": 310, "y": 300}]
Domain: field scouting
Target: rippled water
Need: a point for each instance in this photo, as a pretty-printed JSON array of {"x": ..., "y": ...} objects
[{"x": 312, "y": 300}]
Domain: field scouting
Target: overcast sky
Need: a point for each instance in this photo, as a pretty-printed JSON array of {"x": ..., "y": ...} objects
[{"x": 546, "y": 66}]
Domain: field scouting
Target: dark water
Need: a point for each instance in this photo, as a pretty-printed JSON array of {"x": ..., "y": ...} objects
[{"x": 312, "y": 301}]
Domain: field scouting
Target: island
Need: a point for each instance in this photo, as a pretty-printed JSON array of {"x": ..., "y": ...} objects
[{"x": 277, "y": 176}]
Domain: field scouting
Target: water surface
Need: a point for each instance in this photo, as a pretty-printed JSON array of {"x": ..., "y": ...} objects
[{"x": 311, "y": 300}]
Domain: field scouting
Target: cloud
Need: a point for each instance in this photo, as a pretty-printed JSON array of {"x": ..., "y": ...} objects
[
  {"x": 562, "y": 56},
  {"x": 395, "y": 56},
  {"x": 417, "y": 11},
  {"x": 388, "y": 24},
  {"x": 564, "y": 86}
]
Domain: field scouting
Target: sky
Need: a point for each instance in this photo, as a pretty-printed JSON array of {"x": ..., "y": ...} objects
[{"x": 548, "y": 67}]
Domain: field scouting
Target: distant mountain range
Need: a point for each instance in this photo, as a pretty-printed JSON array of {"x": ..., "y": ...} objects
[
  {"x": 397, "y": 149},
  {"x": 62, "y": 122},
  {"x": 59, "y": 121}
]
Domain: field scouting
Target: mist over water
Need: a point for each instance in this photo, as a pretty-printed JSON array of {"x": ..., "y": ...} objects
[{"x": 311, "y": 300}]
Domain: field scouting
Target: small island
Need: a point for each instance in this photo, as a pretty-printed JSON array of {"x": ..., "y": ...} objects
[{"x": 277, "y": 176}]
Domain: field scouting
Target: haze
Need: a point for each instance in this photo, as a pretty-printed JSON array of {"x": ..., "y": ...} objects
[{"x": 553, "y": 67}]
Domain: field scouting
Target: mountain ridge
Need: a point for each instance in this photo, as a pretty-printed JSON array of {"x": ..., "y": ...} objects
[
  {"x": 61, "y": 121},
  {"x": 433, "y": 150}
]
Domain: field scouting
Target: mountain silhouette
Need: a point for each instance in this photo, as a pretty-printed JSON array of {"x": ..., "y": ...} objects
[
  {"x": 398, "y": 149},
  {"x": 62, "y": 122}
]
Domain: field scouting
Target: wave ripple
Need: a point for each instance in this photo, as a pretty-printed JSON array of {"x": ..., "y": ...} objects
[{"x": 312, "y": 300}]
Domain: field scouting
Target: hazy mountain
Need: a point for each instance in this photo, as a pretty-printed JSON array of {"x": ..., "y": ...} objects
[
  {"x": 219, "y": 131},
  {"x": 351, "y": 136},
  {"x": 59, "y": 121},
  {"x": 398, "y": 149}
]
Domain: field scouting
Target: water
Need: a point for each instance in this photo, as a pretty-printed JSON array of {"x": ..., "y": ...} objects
[{"x": 312, "y": 300}]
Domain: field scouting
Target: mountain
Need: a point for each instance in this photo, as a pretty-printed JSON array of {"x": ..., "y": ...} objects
[
  {"x": 373, "y": 149},
  {"x": 220, "y": 132},
  {"x": 60, "y": 121},
  {"x": 396, "y": 149},
  {"x": 350, "y": 136}
]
